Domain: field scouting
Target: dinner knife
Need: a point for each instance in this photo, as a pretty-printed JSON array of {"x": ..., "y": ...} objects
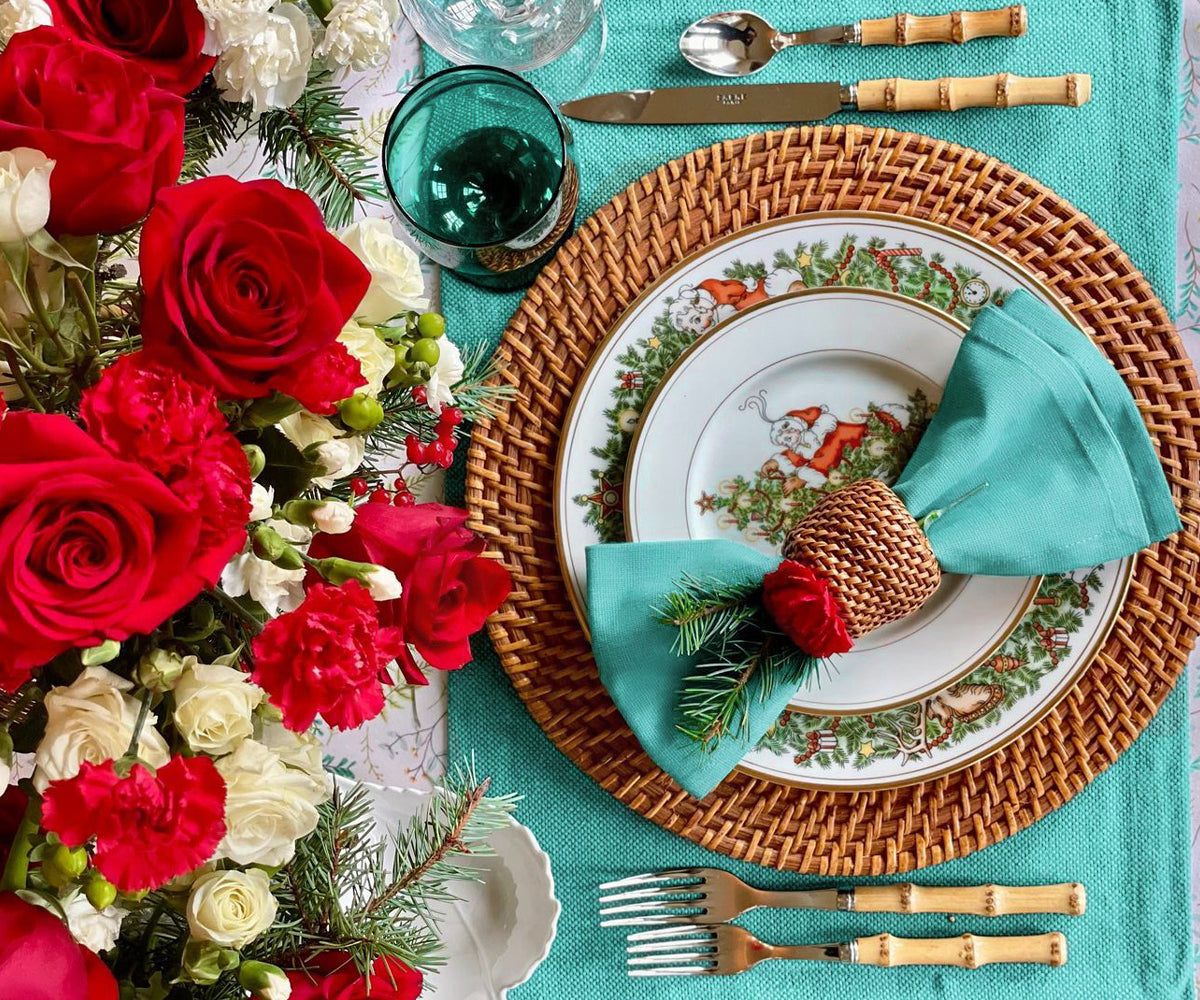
[{"x": 789, "y": 102}]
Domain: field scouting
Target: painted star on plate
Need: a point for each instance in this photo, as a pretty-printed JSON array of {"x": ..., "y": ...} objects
[
  {"x": 867, "y": 749},
  {"x": 706, "y": 503},
  {"x": 804, "y": 259},
  {"x": 654, "y": 342},
  {"x": 607, "y": 497}
]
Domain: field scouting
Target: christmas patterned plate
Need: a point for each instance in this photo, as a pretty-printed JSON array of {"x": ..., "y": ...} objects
[
  {"x": 784, "y": 402},
  {"x": 1033, "y": 668}
]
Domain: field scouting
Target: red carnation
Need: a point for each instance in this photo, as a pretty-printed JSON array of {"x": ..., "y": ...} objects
[
  {"x": 802, "y": 604},
  {"x": 334, "y": 976},
  {"x": 92, "y": 547},
  {"x": 328, "y": 657},
  {"x": 165, "y": 37},
  {"x": 449, "y": 587},
  {"x": 330, "y": 376},
  {"x": 116, "y": 138},
  {"x": 244, "y": 287},
  {"x": 149, "y": 826},
  {"x": 39, "y": 960},
  {"x": 172, "y": 426}
]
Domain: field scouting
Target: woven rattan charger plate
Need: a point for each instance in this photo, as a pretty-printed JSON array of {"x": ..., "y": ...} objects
[{"x": 682, "y": 207}]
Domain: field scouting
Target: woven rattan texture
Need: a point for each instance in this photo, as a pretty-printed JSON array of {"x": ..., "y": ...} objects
[
  {"x": 876, "y": 558},
  {"x": 673, "y": 212}
]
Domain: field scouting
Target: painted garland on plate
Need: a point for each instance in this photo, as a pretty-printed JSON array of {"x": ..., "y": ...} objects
[{"x": 782, "y": 490}]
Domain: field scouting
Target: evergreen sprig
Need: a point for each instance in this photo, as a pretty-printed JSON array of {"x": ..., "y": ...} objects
[
  {"x": 211, "y": 123},
  {"x": 741, "y": 655},
  {"x": 313, "y": 144}
]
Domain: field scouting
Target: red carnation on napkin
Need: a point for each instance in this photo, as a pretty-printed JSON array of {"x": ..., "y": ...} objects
[
  {"x": 165, "y": 37},
  {"x": 116, "y": 138},
  {"x": 334, "y": 976},
  {"x": 39, "y": 960},
  {"x": 172, "y": 426},
  {"x": 245, "y": 288},
  {"x": 449, "y": 588},
  {"x": 149, "y": 826},
  {"x": 92, "y": 547},
  {"x": 329, "y": 657},
  {"x": 802, "y": 604}
]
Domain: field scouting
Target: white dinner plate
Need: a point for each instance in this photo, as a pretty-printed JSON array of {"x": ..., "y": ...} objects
[
  {"x": 783, "y": 403},
  {"x": 1030, "y": 670}
]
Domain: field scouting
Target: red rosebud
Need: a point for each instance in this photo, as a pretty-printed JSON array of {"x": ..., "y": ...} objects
[
  {"x": 802, "y": 604},
  {"x": 116, "y": 138},
  {"x": 246, "y": 290},
  {"x": 334, "y": 976},
  {"x": 39, "y": 960},
  {"x": 165, "y": 38},
  {"x": 329, "y": 657},
  {"x": 149, "y": 827},
  {"x": 449, "y": 588}
]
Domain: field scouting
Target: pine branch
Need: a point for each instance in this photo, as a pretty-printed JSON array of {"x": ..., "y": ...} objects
[
  {"x": 211, "y": 124},
  {"x": 313, "y": 144}
]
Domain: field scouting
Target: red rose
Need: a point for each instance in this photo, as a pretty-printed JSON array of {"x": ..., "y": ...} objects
[
  {"x": 115, "y": 137},
  {"x": 92, "y": 547},
  {"x": 449, "y": 589},
  {"x": 245, "y": 288},
  {"x": 39, "y": 960},
  {"x": 334, "y": 976},
  {"x": 328, "y": 657},
  {"x": 164, "y": 36},
  {"x": 802, "y": 604},
  {"x": 161, "y": 420},
  {"x": 149, "y": 827}
]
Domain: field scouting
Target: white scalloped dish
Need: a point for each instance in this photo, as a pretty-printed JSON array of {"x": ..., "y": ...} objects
[{"x": 500, "y": 930}]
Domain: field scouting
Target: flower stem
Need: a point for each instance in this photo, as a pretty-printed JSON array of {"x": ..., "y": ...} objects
[
  {"x": 39, "y": 309},
  {"x": 14, "y": 369},
  {"x": 89, "y": 310},
  {"x": 143, "y": 713},
  {"x": 16, "y": 869},
  {"x": 227, "y": 602},
  {"x": 322, "y": 8}
]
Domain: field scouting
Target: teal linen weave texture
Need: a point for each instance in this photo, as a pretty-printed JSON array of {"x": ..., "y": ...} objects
[{"x": 1125, "y": 835}]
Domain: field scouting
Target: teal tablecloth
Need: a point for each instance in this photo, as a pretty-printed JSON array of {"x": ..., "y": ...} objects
[{"x": 1125, "y": 835}]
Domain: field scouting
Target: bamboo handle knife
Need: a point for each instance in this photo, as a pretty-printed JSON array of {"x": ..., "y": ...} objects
[
  {"x": 959, "y": 26},
  {"x": 950, "y": 93}
]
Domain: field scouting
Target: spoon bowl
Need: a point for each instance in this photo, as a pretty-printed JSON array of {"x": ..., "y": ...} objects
[{"x": 733, "y": 43}]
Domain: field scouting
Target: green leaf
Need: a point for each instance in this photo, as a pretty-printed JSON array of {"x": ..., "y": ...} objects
[
  {"x": 287, "y": 471},
  {"x": 46, "y": 245}
]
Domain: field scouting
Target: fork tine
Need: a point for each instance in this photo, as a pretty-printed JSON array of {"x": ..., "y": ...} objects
[
  {"x": 653, "y": 920},
  {"x": 674, "y": 970},
  {"x": 651, "y": 905},
  {"x": 700, "y": 945},
  {"x": 648, "y": 877},
  {"x": 699, "y": 957},
  {"x": 696, "y": 890},
  {"x": 693, "y": 932}
]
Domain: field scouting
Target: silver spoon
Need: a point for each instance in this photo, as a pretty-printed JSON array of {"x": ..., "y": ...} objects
[{"x": 738, "y": 42}]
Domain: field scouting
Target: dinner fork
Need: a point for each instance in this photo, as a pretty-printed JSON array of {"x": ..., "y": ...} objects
[
  {"x": 727, "y": 949},
  {"x": 714, "y": 896}
]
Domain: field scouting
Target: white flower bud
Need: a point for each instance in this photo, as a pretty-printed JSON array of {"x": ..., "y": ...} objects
[
  {"x": 262, "y": 501},
  {"x": 160, "y": 669},
  {"x": 24, "y": 192},
  {"x": 265, "y": 982},
  {"x": 334, "y": 517},
  {"x": 383, "y": 584}
]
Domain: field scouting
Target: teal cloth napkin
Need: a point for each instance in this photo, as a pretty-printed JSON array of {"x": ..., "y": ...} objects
[
  {"x": 1036, "y": 455},
  {"x": 1126, "y": 834}
]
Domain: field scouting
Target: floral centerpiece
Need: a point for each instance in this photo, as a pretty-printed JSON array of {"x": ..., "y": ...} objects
[{"x": 203, "y": 559}]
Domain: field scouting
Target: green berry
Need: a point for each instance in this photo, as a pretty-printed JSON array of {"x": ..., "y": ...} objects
[
  {"x": 425, "y": 352},
  {"x": 431, "y": 325},
  {"x": 361, "y": 413},
  {"x": 64, "y": 864},
  {"x": 256, "y": 457},
  {"x": 100, "y": 892}
]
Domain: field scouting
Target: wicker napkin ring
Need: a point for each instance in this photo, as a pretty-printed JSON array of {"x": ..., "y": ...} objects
[{"x": 871, "y": 552}]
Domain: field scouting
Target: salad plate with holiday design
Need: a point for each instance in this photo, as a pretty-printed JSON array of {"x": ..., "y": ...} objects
[{"x": 782, "y": 362}]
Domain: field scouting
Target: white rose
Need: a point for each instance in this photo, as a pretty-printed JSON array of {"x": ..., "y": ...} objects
[
  {"x": 374, "y": 356},
  {"x": 24, "y": 193},
  {"x": 275, "y": 588},
  {"x": 262, "y": 501},
  {"x": 339, "y": 456},
  {"x": 231, "y": 908},
  {"x": 334, "y": 517},
  {"x": 445, "y": 376},
  {"x": 302, "y": 755},
  {"x": 92, "y": 720},
  {"x": 213, "y": 706},
  {"x": 397, "y": 284},
  {"x": 383, "y": 584},
  {"x": 22, "y": 15},
  {"x": 358, "y": 34},
  {"x": 230, "y": 21},
  {"x": 268, "y": 68},
  {"x": 267, "y": 806}
]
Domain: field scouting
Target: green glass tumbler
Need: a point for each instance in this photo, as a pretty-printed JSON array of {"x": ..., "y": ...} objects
[{"x": 478, "y": 167}]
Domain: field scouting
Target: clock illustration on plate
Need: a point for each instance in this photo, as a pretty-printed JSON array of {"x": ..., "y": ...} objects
[{"x": 975, "y": 292}]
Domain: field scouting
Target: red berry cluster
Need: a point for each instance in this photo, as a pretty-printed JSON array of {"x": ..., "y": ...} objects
[
  {"x": 439, "y": 451},
  {"x": 400, "y": 494}
]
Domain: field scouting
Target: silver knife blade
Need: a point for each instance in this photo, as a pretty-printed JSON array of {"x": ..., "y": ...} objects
[{"x": 728, "y": 105}]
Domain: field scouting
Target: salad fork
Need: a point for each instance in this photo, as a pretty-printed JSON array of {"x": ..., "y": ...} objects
[
  {"x": 727, "y": 949},
  {"x": 714, "y": 896}
]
